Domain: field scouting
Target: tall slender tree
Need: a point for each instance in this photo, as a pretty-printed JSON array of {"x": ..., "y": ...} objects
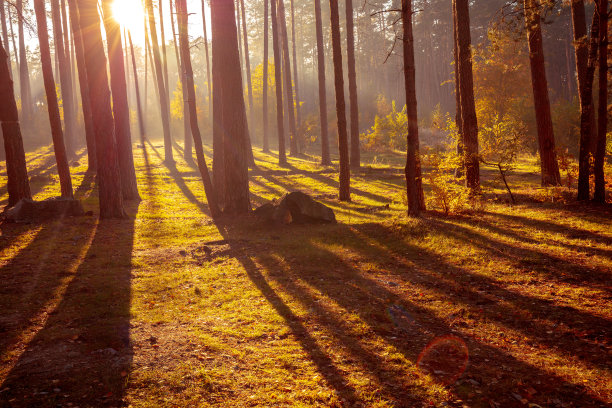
[
  {"x": 234, "y": 126},
  {"x": 218, "y": 164},
  {"x": 266, "y": 143},
  {"x": 52, "y": 105},
  {"x": 161, "y": 87},
  {"x": 414, "y": 187},
  {"x": 65, "y": 75},
  {"x": 27, "y": 106},
  {"x": 325, "y": 157},
  {"x": 162, "y": 34},
  {"x": 352, "y": 78},
  {"x": 141, "y": 124},
  {"x": 247, "y": 64},
  {"x": 345, "y": 171},
  {"x": 121, "y": 109},
  {"x": 278, "y": 83},
  {"x": 458, "y": 123},
  {"x": 109, "y": 174},
  {"x": 189, "y": 89},
  {"x": 585, "y": 89},
  {"x": 282, "y": 21},
  {"x": 18, "y": 185},
  {"x": 298, "y": 110},
  {"x": 602, "y": 110},
  {"x": 546, "y": 137},
  {"x": 469, "y": 123},
  {"x": 90, "y": 133},
  {"x": 208, "y": 78},
  {"x": 5, "y": 38}
]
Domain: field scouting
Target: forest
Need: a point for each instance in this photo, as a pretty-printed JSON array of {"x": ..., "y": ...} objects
[{"x": 306, "y": 203}]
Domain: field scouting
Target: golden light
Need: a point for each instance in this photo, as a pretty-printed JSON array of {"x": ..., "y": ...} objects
[{"x": 130, "y": 15}]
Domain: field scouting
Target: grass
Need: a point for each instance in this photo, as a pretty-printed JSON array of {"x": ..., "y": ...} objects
[{"x": 500, "y": 307}]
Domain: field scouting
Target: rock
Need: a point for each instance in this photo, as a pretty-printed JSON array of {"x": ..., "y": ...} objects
[
  {"x": 296, "y": 208},
  {"x": 27, "y": 210}
]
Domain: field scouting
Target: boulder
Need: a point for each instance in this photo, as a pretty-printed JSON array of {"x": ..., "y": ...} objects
[
  {"x": 296, "y": 208},
  {"x": 27, "y": 210}
]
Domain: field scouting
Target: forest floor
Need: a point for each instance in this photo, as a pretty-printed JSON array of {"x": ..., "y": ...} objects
[{"x": 503, "y": 306}]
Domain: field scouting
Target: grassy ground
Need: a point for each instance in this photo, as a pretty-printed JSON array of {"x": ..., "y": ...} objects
[{"x": 505, "y": 306}]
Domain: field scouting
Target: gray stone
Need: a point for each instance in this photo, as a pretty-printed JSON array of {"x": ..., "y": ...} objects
[
  {"x": 296, "y": 208},
  {"x": 27, "y": 210}
]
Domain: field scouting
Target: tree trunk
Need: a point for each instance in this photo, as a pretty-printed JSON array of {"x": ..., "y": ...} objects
[
  {"x": 163, "y": 46},
  {"x": 5, "y": 38},
  {"x": 247, "y": 64},
  {"x": 121, "y": 109},
  {"x": 235, "y": 129},
  {"x": 52, "y": 105},
  {"x": 217, "y": 101},
  {"x": 345, "y": 171},
  {"x": 585, "y": 89},
  {"x": 141, "y": 125},
  {"x": 352, "y": 78},
  {"x": 109, "y": 175},
  {"x": 65, "y": 77},
  {"x": 602, "y": 111},
  {"x": 325, "y": 157},
  {"x": 24, "y": 72},
  {"x": 278, "y": 82},
  {"x": 188, "y": 148},
  {"x": 161, "y": 88},
  {"x": 18, "y": 185},
  {"x": 208, "y": 78},
  {"x": 287, "y": 72},
  {"x": 546, "y": 137},
  {"x": 295, "y": 79},
  {"x": 266, "y": 145},
  {"x": 414, "y": 187},
  {"x": 189, "y": 89},
  {"x": 469, "y": 123},
  {"x": 10, "y": 20},
  {"x": 458, "y": 123},
  {"x": 84, "y": 87}
]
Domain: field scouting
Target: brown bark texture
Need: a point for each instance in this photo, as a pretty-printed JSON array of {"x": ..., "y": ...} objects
[
  {"x": 325, "y": 157},
  {"x": 352, "y": 78}
]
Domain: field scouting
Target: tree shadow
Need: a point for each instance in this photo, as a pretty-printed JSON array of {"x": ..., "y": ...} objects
[
  {"x": 279, "y": 272},
  {"x": 81, "y": 353}
]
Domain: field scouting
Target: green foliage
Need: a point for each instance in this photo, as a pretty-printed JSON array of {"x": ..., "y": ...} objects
[{"x": 389, "y": 130}]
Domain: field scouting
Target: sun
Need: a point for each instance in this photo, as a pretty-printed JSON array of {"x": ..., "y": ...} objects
[{"x": 129, "y": 14}]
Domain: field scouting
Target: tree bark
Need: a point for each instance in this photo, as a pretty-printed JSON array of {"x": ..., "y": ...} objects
[
  {"x": 141, "y": 125},
  {"x": 546, "y": 137},
  {"x": 234, "y": 125},
  {"x": 459, "y": 170},
  {"x": 602, "y": 110},
  {"x": 189, "y": 88},
  {"x": 287, "y": 73},
  {"x": 163, "y": 47},
  {"x": 208, "y": 78},
  {"x": 278, "y": 82},
  {"x": 24, "y": 72},
  {"x": 345, "y": 171},
  {"x": 84, "y": 87},
  {"x": 218, "y": 164},
  {"x": 121, "y": 109},
  {"x": 325, "y": 157},
  {"x": 65, "y": 77},
  {"x": 5, "y": 38},
  {"x": 18, "y": 185},
  {"x": 188, "y": 148},
  {"x": 266, "y": 143},
  {"x": 585, "y": 89},
  {"x": 247, "y": 64},
  {"x": 161, "y": 87},
  {"x": 52, "y": 105},
  {"x": 469, "y": 123},
  {"x": 352, "y": 78},
  {"x": 109, "y": 174},
  {"x": 298, "y": 109},
  {"x": 414, "y": 187}
]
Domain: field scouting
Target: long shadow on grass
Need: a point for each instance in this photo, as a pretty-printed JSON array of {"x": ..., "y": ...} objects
[
  {"x": 356, "y": 293},
  {"x": 82, "y": 355}
]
